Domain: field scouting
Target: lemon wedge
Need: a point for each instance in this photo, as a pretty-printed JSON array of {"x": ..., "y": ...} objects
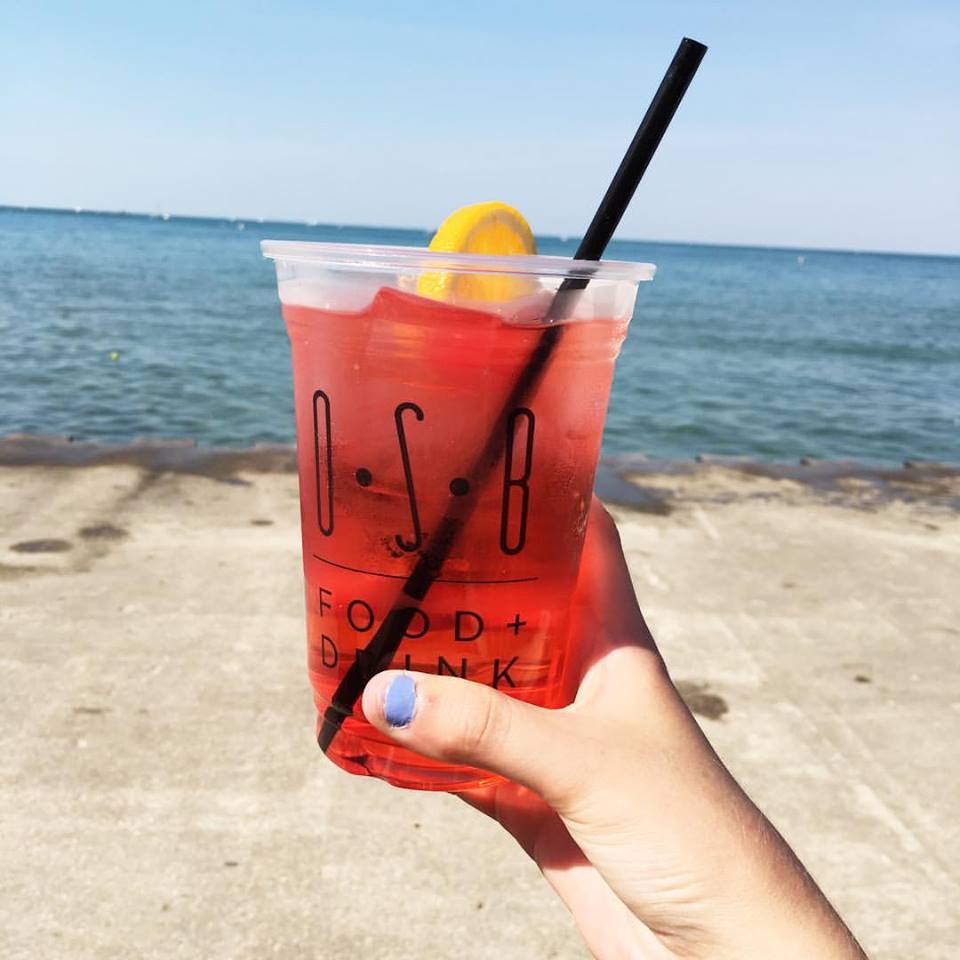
[{"x": 492, "y": 228}]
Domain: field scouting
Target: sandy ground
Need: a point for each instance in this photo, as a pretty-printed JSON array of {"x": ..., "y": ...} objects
[{"x": 162, "y": 795}]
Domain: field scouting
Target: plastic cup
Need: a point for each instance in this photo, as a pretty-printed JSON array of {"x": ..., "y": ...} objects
[{"x": 395, "y": 396}]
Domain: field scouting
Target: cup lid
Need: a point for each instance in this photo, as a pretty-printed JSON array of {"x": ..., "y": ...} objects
[{"x": 389, "y": 259}]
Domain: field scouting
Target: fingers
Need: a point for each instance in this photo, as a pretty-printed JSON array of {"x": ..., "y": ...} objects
[
  {"x": 459, "y": 721},
  {"x": 607, "y": 924},
  {"x": 518, "y": 810},
  {"x": 607, "y": 624},
  {"x": 604, "y": 588}
]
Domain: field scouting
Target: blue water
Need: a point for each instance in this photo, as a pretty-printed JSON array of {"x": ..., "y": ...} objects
[{"x": 766, "y": 353}]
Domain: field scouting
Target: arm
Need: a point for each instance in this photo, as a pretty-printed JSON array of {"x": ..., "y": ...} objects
[{"x": 619, "y": 798}]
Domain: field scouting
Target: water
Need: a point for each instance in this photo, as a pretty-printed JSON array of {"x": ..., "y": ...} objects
[{"x": 769, "y": 354}]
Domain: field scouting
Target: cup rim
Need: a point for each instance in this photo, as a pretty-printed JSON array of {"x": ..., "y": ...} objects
[{"x": 395, "y": 259}]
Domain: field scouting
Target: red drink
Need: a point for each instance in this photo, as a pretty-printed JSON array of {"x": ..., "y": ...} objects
[{"x": 394, "y": 401}]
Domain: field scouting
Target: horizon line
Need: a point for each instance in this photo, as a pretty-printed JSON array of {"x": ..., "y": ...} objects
[{"x": 562, "y": 237}]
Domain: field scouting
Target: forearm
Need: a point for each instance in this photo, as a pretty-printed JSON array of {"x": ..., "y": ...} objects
[
  {"x": 781, "y": 914},
  {"x": 768, "y": 906},
  {"x": 691, "y": 854}
]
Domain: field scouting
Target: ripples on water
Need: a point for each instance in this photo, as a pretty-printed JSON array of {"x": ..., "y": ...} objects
[{"x": 771, "y": 354}]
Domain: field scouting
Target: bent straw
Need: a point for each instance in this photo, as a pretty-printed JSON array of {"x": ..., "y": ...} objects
[{"x": 376, "y": 656}]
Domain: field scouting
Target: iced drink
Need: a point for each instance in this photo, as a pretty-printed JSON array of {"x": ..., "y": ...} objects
[{"x": 395, "y": 395}]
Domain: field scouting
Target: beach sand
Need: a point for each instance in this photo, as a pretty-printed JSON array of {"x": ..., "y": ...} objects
[{"x": 163, "y": 796}]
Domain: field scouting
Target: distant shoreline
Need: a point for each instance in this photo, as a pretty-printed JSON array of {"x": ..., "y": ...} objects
[
  {"x": 633, "y": 480},
  {"x": 428, "y": 231}
]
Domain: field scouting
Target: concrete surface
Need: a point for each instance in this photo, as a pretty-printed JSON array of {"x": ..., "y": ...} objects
[{"x": 162, "y": 795}]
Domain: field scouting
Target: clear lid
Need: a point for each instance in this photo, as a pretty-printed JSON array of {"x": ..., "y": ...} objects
[{"x": 383, "y": 259}]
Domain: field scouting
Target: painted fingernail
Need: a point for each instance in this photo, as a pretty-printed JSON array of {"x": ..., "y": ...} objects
[{"x": 400, "y": 700}]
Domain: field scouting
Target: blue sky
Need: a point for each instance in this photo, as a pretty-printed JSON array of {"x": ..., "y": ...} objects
[{"x": 809, "y": 124}]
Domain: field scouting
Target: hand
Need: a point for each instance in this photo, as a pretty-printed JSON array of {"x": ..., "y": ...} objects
[{"x": 619, "y": 798}]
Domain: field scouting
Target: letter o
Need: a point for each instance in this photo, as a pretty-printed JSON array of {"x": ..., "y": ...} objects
[{"x": 365, "y": 606}]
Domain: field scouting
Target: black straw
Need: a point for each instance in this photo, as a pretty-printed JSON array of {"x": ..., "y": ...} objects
[
  {"x": 378, "y": 654},
  {"x": 641, "y": 150}
]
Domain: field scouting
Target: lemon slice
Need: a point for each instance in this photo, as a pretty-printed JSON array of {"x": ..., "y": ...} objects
[{"x": 493, "y": 228}]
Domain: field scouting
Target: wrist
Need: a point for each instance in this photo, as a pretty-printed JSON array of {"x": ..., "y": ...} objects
[{"x": 776, "y": 911}]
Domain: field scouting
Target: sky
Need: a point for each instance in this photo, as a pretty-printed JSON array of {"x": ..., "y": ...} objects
[{"x": 809, "y": 124}]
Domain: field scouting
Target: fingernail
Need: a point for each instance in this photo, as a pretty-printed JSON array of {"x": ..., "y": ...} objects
[{"x": 400, "y": 700}]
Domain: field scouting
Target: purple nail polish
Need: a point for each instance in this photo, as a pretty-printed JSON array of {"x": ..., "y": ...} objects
[{"x": 400, "y": 700}]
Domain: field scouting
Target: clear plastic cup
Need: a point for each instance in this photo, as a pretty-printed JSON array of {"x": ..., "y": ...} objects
[{"x": 447, "y": 450}]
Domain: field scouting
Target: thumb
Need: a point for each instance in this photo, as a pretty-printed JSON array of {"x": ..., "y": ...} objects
[{"x": 460, "y": 721}]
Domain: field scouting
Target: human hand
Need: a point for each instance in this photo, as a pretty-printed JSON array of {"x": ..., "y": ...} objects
[{"x": 619, "y": 798}]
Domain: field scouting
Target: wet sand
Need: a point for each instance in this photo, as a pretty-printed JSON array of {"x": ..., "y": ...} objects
[{"x": 162, "y": 795}]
